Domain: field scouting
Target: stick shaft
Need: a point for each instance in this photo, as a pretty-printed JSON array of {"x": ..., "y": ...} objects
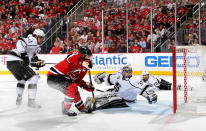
[{"x": 90, "y": 78}]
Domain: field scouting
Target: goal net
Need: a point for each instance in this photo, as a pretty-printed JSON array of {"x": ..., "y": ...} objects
[{"x": 189, "y": 89}]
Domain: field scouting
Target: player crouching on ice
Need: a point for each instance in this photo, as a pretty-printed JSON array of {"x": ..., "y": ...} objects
[
  {"x": 19, "y": 61},
  {"x": 68, "y": 75},
  {"x": 126, "y": 88}
]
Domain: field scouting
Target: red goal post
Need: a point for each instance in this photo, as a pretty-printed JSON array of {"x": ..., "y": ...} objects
[{"x": 188, "y": 71}]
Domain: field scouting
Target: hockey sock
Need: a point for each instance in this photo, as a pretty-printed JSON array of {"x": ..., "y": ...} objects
[
  {"x": 79, "y": 105},
  {"x": 20, "y": 87},
  {"x": 78, "y": 101},
  {"x": 68, "y": 102},
  {"x": 32, "y": 89}
]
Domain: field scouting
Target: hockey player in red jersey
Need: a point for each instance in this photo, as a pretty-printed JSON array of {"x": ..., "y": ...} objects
[{"x": 68, "y": 75}]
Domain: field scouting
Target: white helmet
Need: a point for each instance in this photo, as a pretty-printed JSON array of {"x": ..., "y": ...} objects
[
  {"x": 145, "y": 73},
  {"x": 39, "y": 32}
]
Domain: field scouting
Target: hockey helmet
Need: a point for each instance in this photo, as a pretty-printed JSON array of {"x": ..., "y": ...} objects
[
  {"x": 127, "y": 72},
  {"x": 145, "y": 73},
  {"x": 39, "y": 32},
  {"x": 127, "y": 68},
  {"x": 85, "y": 51}
]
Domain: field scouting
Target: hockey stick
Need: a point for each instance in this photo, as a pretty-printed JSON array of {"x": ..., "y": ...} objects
[
  {"x": 99, "y": 90},
  {"x": 52, "y": 63},
  {"x": 93, "y": 100},
  {"x": 45, "y": 63}
]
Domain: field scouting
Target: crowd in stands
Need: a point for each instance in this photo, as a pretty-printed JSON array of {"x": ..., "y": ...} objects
[
  {"x": 88, "y": 30},
  {"x": 21, "y": 17},
  {"x": 18, "y": 17}
]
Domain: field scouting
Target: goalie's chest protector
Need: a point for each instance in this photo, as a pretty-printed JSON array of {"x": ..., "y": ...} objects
[{"x": 128, "y": 88}]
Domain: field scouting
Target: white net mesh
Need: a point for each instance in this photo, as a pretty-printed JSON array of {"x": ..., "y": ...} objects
[{"x": 190, "y": 68}]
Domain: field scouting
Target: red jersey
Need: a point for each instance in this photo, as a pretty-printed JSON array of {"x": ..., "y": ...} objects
[
  {"x": 71, "y": 67},
  {"x": 55, "y": 50},
  {"x": 135, "y": 49}
]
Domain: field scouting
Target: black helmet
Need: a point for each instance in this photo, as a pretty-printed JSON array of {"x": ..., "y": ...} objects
[{"x": 85, "y": 51}]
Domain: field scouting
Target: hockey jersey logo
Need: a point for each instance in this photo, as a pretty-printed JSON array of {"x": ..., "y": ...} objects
[{"x": 75, "y": 74}]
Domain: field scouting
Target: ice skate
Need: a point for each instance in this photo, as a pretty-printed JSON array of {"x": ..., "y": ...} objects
[
  {"x": 19, "y": 100},
  {"x": 32, "y": 104},
  {"x": 67, "y": 112},
  {"x": 88, "y": 106}
]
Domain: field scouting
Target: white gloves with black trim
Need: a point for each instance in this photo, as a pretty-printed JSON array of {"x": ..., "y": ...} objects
[{"x": 150, "y": 95}]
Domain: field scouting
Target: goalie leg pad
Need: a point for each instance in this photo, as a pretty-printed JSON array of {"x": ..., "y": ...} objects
[{"x": 109, "y": 100}]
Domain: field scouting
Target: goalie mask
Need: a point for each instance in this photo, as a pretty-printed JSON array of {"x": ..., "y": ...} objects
[{"x": 127, "y": 72}]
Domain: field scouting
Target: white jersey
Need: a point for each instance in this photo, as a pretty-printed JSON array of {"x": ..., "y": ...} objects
[
  {"x": 125, "y": 88},
  {"x": 152, "y": 82},
  {"x": 27, "y": 45}
]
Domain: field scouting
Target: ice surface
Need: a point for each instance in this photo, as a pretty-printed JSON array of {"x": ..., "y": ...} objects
[{"x": 140, "y": 116}]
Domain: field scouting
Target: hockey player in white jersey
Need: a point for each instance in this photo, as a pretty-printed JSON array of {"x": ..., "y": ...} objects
[
  {"x": 156, "y": 83},
  {"x": 126, "y": 88},
  {"x": 19, "y": 63}
]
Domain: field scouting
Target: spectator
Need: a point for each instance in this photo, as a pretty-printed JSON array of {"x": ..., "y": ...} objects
[
  {"x": 56, "y": 48},
  {"x": 84, "y": 36},
  {"x": 171, "y": 45},
  {"x": 195, "y": 42},
  {"x": 142, "y": 44},
  {"x": 105, "y": 50},
  {"x": 108, "y": 41},
  {"x": 136, "y": 48},
  {"x": 121, "y": 48},
  {"x": 113, "y": 48}
]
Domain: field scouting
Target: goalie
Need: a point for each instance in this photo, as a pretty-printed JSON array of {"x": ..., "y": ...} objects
[{"x": 126, "y": 88}]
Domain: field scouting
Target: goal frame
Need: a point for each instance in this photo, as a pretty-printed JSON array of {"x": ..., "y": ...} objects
[
  {"x": 185, "y": 53},
  {"x": 174, "y": 57}
]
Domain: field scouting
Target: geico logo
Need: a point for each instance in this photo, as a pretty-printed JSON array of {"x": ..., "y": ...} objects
[
  {"x": 113, "y": 60},
  {"x": 166, "y": 61}
]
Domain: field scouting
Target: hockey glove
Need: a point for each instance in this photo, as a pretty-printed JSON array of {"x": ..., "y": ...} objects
[
  {"x": 99, "y": 78},
  {"x": 90, "y": 86},
  {"x": 25, "y": 58},
  {"x": 151, "y": 96},
  {"x": 38, "y": 64},
  {"x": 87, "y": 64},
  {"x": 87, "y": 86}
]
